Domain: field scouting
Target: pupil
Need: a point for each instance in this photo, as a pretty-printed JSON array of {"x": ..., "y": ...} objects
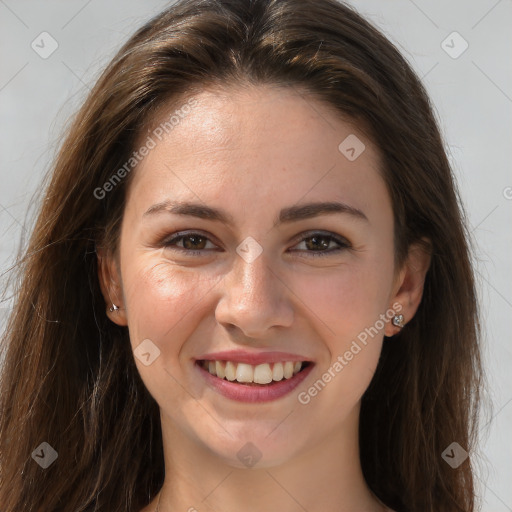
[
  {"x": 315, "y": 239},
  {"x": 194, "y": 238}
]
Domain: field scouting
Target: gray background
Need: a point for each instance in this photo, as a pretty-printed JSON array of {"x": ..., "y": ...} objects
[{"x": 472, "y": 95}]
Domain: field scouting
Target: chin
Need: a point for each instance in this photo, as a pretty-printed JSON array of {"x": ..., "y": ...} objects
[{"x": 254, "y": 448}]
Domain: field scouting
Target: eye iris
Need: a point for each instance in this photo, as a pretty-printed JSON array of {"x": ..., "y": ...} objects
[
  {"x": 195, "y": 239},
  {"x": 322, "y": 245}
]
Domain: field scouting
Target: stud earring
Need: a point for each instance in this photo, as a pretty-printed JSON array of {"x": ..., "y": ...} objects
[
  {"x": 113, "y": 308},
  {"x": 398, "y": 320}
]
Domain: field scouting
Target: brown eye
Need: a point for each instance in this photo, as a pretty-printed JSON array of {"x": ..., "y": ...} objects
[
  {"x": 192, "y": 243},
  {"x": 318, "y": 243}
]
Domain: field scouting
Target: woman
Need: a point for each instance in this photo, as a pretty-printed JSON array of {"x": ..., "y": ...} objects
[{"x": 249, "y": 284}]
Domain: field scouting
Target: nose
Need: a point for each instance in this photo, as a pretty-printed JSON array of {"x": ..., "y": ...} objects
[{"x": 254, "y": 298}]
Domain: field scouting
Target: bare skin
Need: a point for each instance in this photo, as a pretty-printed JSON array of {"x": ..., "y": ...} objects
[{"x": 252, "y": 152}]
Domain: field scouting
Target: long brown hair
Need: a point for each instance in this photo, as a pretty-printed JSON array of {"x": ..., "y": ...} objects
[{"x": 69, "y": 377}]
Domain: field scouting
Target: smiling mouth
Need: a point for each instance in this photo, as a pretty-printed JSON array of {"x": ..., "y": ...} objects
[{"x": 253, "y": 375}]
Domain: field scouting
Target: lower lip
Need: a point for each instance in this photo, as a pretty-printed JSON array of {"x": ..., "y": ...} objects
[{"x": 264, "y": 393}]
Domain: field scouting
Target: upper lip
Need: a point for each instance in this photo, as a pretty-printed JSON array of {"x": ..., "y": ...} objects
[{"x": 253, "y": 358}]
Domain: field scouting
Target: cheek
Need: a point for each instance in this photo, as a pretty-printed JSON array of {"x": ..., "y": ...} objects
[
  {"x": 163, "y": 300},
  {"x": 345, "y": 301},
  {"x": 165, "y": 305},
  {"x": 348, "y": 305}
]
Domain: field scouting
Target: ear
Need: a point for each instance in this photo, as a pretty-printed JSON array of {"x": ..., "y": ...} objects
[
  {"x": 110, "y": 284},
  {"x": 408, "y": 287}
]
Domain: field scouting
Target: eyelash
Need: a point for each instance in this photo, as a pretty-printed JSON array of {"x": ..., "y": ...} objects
[{"x": 344, "y": 244}]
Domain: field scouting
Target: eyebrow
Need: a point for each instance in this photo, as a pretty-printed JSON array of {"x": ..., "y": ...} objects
[{"x": 287, "y": 215}]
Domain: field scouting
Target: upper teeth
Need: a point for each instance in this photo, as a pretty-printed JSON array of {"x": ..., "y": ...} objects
[{"x": 260, "y": 373}]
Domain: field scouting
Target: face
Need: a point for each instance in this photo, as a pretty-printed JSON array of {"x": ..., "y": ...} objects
[{"x": 264, "y": 277}]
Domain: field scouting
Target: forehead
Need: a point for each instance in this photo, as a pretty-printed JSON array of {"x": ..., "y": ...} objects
[
  {"x": 253, "y": 117},
  {"x": 253, "y": 143}
]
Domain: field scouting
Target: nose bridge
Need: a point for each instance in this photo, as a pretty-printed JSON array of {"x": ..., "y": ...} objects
[
  {"x": 252, "y": 275},
  {"x": 253, "y": 296}
]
